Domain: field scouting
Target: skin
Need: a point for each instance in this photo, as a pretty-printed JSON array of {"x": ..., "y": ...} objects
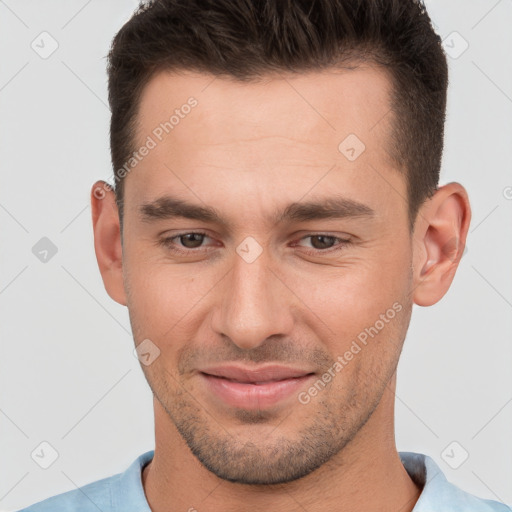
[{"x": 248, "y": 150}]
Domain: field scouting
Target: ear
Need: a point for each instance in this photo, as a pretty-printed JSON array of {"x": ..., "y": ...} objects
[
  {"x": 439, "y": 239},
  {"x": 107, "y": 239}
]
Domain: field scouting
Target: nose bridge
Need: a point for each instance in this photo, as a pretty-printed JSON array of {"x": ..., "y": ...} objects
[{"x": 252, "y": 308}]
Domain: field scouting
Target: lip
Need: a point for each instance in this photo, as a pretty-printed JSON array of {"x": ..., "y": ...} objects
[{"x": 254, "y": 389}]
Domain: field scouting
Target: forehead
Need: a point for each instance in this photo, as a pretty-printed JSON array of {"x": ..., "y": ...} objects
[
  {"x": 284, "y": 131},
  {"x": 304, "y": 106}
]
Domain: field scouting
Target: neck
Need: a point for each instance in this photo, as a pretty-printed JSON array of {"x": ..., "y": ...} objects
[{"x": 366, "y": 474}]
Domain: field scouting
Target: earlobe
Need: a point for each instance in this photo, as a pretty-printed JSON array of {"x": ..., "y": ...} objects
[
  {"x": 107, "y": 240},
  {"x": 440, "y": 238}
]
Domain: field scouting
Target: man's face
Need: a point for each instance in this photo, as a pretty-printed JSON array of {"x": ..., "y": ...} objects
[{"x": 255, "y": 289}]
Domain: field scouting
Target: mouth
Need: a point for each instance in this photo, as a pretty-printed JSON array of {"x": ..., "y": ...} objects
[{"x": 254, "y": 389}]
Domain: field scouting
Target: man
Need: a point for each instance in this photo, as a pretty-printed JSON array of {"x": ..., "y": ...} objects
[{"x": 276, "y": 214}]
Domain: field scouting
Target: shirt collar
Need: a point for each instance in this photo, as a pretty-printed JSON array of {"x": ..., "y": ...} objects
[{"x": 128, "y": 492}]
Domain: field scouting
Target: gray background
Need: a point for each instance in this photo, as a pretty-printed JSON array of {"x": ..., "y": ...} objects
[{"x": 68, "y": 375}]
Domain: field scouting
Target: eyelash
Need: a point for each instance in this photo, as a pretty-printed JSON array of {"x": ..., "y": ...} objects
[{"x": 167, "y": 243}]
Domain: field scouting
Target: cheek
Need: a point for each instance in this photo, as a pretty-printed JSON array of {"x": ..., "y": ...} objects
[
  {"x": 355, "y": 293},
  {"x": 359, "y": 309},
  {"x": 157, "y": 297}
]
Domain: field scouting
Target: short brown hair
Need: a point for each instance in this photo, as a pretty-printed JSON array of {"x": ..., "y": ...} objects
[{"x": 246, "y": 39}]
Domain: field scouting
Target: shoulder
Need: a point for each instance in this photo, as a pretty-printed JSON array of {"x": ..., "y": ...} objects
[
  {"x": 90, "y": 497},
  {"x": 441, "y": 495},
  {"x": 115, "y": 493}
]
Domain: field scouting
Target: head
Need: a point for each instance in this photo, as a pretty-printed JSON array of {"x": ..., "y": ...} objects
[{"x": 276, "y": 200}]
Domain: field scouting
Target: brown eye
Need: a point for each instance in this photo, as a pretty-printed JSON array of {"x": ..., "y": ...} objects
[
  {"x": 191, "y": 240},
  {"x": 188, "y": 243},
  {"x": 322, "y": 241},
  {"x": 323, "y": 244}
]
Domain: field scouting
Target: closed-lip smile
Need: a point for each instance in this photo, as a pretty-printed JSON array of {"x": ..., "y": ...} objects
[{"x": 254, "y": 388}]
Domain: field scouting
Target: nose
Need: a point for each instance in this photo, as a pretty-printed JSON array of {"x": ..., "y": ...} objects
[{"x": 254, "y": 305}]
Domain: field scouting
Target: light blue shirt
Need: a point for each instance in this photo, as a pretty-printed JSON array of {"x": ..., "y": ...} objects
[{"x": 124, "y": 492}]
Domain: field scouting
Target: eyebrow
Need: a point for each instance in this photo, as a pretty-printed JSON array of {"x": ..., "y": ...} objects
[{"x": 335, "y": 207}]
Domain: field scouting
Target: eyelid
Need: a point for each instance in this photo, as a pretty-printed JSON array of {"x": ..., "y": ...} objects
[
  {"x": 166, "y": 240},
  {"x": 342, "y": 242}
]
